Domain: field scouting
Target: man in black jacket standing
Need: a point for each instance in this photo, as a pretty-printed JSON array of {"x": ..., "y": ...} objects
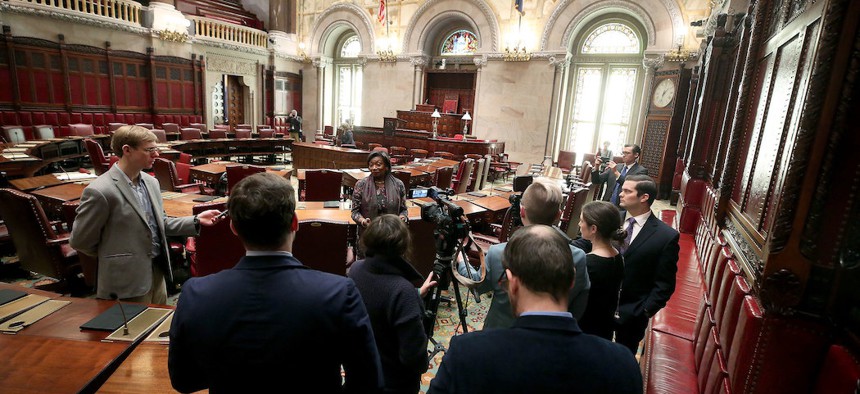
[{"x": 295, "y": 126}]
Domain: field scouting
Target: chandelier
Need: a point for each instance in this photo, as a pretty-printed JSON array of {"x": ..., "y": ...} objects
[{"x": 517, "y": 54}]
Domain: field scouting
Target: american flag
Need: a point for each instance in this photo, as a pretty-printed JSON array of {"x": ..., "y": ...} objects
[
  {"x": 518, "y": 4},
  {"x": 381, "y": 14}
]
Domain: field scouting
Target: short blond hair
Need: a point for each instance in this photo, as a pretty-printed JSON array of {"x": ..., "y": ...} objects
[
  {"x": 132, "y": 136},
  {"x": 542, "y": 201}
]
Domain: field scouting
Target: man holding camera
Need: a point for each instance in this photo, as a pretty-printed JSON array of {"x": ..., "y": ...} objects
[
  {"x": 545, "y": 340},
  {"x": 295, "y": 126},
  {"x": 614, "y": 174},
  {"x": 540, "y": 204}
]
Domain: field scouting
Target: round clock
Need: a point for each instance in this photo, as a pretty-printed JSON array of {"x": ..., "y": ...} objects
[{"x": 663, "y": 93}]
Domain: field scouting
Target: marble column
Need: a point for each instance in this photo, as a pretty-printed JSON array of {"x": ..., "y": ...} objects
[
  {"x": 321, "y": 64},
  {"x": 419, "y": 63},
  {"x": 561, "y": 63}
]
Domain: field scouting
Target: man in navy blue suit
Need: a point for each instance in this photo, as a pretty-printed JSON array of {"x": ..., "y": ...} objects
[
  {"x": 650, "y": 261},
  {"x": 271, "y": 323},
  {"x": 545, "y": 351}
]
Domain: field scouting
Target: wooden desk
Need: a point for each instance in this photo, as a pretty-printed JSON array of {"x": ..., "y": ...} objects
[
  {"x": 313, "y": 156},
  {"x": 417, "y": 177},
  {"x": 19, "y": 164},
  {"x": 52, "y": 198},
  {"x": 496, "y": 207},
  {"x": 143, "y": 372},
  {"x": 27, "y": 184},
  {"x": 182, "y": 204},
  {"x": 313, "y": 210},
  {"x": 211, "y": 173},
  {"x": 54, "y": 354}
]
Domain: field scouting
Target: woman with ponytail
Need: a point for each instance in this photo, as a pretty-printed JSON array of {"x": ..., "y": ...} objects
[{"x": 600, "y": 223}]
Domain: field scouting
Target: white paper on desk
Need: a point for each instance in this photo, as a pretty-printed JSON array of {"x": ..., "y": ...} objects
[
  {"x": 74, "y": 176},
  {"x": 140, "y": 325}
]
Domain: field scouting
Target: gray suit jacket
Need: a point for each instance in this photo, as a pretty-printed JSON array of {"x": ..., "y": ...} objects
[
  {"x": 500, "y": 314},
  {"x": 608, "y": 177},
  {"x": 111, "y": 226}
]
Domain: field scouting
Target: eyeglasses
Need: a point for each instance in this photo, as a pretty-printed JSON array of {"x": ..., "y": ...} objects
[
  {"x": 152, "y": 149},
  {"x": 626, "y": 153},
  {"x": 503, "y": 279}
]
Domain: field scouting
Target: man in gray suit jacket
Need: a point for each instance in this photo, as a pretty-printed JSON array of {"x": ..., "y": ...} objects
[
  {"x": 614, "y": 174},
  {"x": 121, "y": 221},
  {"x": 540, "y": 204}
]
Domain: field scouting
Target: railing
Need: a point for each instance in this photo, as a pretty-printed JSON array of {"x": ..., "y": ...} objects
[
  {"x": 127, "y": 11},
  {"x": 209, "y": 28}
]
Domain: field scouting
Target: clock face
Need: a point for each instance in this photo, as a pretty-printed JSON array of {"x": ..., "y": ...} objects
[{"x": 663, "y": 93}]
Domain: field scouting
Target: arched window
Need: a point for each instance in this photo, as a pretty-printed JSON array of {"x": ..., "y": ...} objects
[
  {"x": 605, "y": 85},
  {"x": 460, "y": 42},
  {"x": 348, "y": 80}
]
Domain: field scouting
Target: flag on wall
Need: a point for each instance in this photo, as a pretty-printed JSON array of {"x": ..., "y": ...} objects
[
  {"x": 518, "y": 4},
  {"x": 381, "y": 14}
]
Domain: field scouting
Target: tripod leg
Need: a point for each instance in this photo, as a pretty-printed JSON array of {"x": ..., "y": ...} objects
[
  {"x": 437, "y": 348},
  {"x": 460, "y": 308}
]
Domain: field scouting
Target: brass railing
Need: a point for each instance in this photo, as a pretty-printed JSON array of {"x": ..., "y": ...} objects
[
  {"x": 127, "y": 11},
  {"x": 210, "y": 28}
]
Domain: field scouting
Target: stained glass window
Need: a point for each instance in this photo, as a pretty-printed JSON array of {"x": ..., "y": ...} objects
[
  {"x": 351, "y": 47},
  {"x": 460, "y": 42},
  {"x": 612, "y": 38}
]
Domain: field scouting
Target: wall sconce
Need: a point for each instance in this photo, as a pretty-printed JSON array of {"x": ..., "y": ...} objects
[
  {"x": 680, "y": 54},
  {"x": 435, "y": 117},
  {"x": 466, "y": 119},
  {"x": 303, "y": 54},
  {"x": 517, "y": 54}
]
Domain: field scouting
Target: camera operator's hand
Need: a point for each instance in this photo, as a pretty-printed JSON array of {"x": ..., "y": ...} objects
[
  {"x": 364, "y": 222},
  {"x": 611, "y": 165},
  {"x": 429, "y": 283},
  {"x": 404, "y": 219},
  {"x": 597, "y": 161}
]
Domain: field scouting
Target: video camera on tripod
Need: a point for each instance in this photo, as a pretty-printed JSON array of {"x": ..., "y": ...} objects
[{"x": 451, "y": 228}]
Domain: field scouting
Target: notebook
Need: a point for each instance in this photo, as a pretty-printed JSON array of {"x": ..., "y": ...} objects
[
  {"x": 331, "y": 204},
  {"x": 111, "y": 319},
  {"x": 8, "y": 295},
  {"x": 476, "y": 194}
]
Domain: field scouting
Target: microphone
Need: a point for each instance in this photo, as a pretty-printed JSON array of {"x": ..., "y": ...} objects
[{"x": 114, "y": 297}]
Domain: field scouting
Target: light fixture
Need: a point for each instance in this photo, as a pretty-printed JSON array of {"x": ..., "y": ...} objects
[
  {"x": 175, "y": 36},
  {"x": 435, "y": 117},
  {"x": 387, "y": 54},
  {"x": 517, "y": 54},
  {"x": 466, "y": 119},
  {"x": 680, "y": 54},
  {"x": 303, "y": 54}
]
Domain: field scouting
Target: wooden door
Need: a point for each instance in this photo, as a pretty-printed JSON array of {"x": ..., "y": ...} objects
[{"x": 235, "y": 101}]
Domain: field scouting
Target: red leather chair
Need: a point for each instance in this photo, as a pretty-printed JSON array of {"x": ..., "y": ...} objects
[
  {"x": 243, "y": 134},
  {"x": 81, "y": 130},
  {"x": 97, "y": 156},
  {"x": 398, "y": 155},
  {"x": 42, "y": 246},
  {"x": 322, "y": 185},
  {"x": 201, "y": 127},
  {"x": 573, "y": 207},
  {"x": 443, "y": 177},
  {"x": 237, "y": 173},
  {"x": 160, "y": 135},
  {"x": 14, "y": 134},
  {"x": 372, "y": 145},
  {"x": 216, "y": 248},
  {"x": 169, "y": 180},
  {"x": 149, "y": 126},
  {"x": 115, "y": 126},
  {"x": 189, "y": 133},
  {"x": 418, "y": 153},
  {"x": 405, "y": 177},
  {"x": 463, "y": 176},
  {"x": 444, "y": 155},
  {"x": 566, "y": 160},
  {"x": 170, "y": 128},
  {"x": 217, "y": 134},
  {"x": 267, "y": 133},
  {"x": 322, "y": 245}
]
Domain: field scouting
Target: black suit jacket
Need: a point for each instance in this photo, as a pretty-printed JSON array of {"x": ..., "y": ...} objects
[
  {"x": 271, "y": 322},
  {"x": 539, "y": 354},
  {"x": 650, "y": 265}
]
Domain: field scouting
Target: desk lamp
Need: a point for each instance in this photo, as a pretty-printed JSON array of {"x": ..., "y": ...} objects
[
  {"x": 435, "y": 117},
  {"x": 466, "y": 118}
]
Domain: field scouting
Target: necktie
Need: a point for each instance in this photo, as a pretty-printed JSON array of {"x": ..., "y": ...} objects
[
  {"x": 629, "y": 238},
  {"x": 614, "y": 198}
]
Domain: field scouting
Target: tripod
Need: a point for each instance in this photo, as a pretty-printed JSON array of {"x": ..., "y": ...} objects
[{"x": 445, "y": 253}]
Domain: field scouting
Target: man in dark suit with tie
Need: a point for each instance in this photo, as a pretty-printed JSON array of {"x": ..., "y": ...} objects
[
  {"x": 650, "y": 261},
  {"x": 271, "y": 323},
  {"x": 545, "y": 351},
  {"x": 614, "y": 174}
]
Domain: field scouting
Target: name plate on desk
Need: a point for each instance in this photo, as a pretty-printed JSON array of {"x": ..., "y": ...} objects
[
  {"x": 161, "y": 334},
  {"x": 112, "y": 318},
  {"x": 25, "y": 319},
  {"x": 140, "y": 325}
]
